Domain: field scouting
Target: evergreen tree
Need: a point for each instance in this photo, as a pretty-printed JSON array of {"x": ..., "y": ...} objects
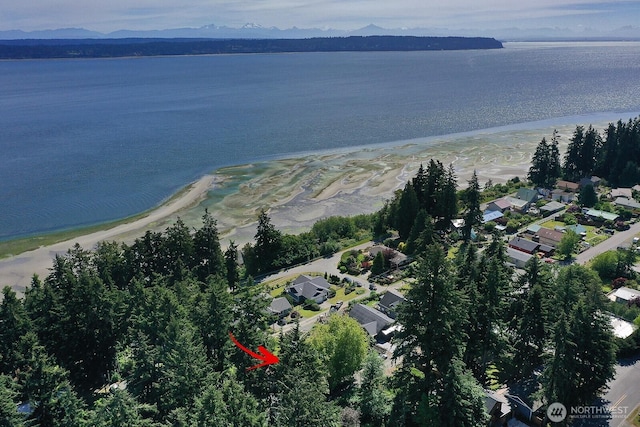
[
  {"x": 118, "y": 409},
  {"x": 554, "y": 168},
  {"x": 9, "y": 415},
  {"x": 225, "y": 402},
  {"x": 268, "y": 244},
  {"x": 377, "y": 266},
  {"x": 571, "y": 168},
  {"x": 462, "y": 400},
  {"x": 14, "y": 324},
  {"x": 588, "y": 197},
  {"x": 430, "y": 340},
  {"x": 407, "y": 211},
  {"x": 531, "y": 320},
  {"x": 299, "y": 395},
  {"x": 584, "y": 352},
  {"x": 473, "y": 214},
  {"x": 207, "y": 252},
  {"x": 374, "y": 400},
  {"x": 231, "y": 263},
  {"x": 538, "y": 172}
]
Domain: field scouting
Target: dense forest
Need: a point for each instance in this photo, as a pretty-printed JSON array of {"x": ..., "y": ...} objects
[
  {"x": 108, "y": 48},
  {"x": 613, "y": 156},
  {"x": 138, "y": 334}
]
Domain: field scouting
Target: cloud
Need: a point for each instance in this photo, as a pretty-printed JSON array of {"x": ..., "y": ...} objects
[{"x": 157, "y": 14}]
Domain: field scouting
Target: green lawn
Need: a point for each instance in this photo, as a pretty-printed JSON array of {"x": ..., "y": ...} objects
[
  {"x": 553, "y": 224},
  {"x": 340, "y": 296}
]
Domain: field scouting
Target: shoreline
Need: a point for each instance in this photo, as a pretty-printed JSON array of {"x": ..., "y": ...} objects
[
  {"x": 16, "y": 271},
  {"x": 300, "y": 190}
]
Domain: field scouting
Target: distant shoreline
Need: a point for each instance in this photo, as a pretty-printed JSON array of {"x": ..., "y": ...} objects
[{"x": 139, "y": 47}]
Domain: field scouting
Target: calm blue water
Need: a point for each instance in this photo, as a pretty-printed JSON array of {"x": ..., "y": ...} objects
[{"x": 87, "y": 141}]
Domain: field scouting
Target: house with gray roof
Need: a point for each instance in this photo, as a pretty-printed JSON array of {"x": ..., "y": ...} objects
[
  {"x": 373, "y": 321},
  {"x": 499, "y": 205},
  {"x": 518, "y": 258},
  {"x": 627, "y": 203},
  {"x": 623, "y": 295},
  {"x": 280, "y": 307},
  {"x": 390, "y": 301},
  {"x": 518, "y": 205},
  {"x": 528, "y": 194},
  {"x": 307, "y": 287},
  {"x": 551, "y": 208}
]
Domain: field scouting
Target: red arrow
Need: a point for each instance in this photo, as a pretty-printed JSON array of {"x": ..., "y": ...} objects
[{"x": 266, "y": 356}]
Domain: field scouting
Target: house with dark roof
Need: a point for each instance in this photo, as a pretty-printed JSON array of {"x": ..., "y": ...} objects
[
  {"x": 390, "y": 301},
  {"x": 524, "y": 245},
  {"x": 306, "y": 287},
  {"x": 373, "y": 321},
  {"x": 498, "y": 408},
  {"x": 280, "y": 307},
  {"x": 594, "y": 181}
]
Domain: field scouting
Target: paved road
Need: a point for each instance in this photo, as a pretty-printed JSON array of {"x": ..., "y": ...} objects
[
  {"x": 621, "y": 398},
  {"x": 611, "y": 243}
]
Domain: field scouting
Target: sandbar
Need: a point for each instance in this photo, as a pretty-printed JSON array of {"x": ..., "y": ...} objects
[{"x": 298, "y": 191}]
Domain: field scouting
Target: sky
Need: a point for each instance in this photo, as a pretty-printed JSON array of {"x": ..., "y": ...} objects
[{"x": 111, "y": 15}]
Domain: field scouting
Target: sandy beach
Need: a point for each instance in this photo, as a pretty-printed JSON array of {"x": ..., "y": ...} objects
[
  {"x": 298, "y": 191},
  {"x": 18, "y": 270}
]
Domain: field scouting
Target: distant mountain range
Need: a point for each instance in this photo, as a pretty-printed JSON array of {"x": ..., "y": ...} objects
[{"x": 256, "y": 31}]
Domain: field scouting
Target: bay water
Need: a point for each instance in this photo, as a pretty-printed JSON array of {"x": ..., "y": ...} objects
[{"x": 93, "y": 140}]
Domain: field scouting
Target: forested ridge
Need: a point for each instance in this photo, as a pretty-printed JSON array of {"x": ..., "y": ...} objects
[
  {"x": 138, "y": 334},
  {"x": 108, "y": 48}
]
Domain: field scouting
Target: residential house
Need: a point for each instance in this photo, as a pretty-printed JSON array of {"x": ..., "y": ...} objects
[
  {"x": 627, "y": 203},
  {"x": 594, "y": 181},
  {"x": 623, "y": 295},
  {"x": 601, "y": 215},
  {"x": 396, "y": 258},
  {"x": 306, "y": 287},
  {"x": 499, "y": 205},
  {"x": 373, "y": 321},
  {"x": 524, "y": 245},
  {"x": 551, "y": 208},
  {"x": 548, "y": 237},
  {"x": 621, "y": 192},
  {"x": 389, "y": 302},
  {"x": 497, "y": 407},
  {"x": 568, "y": 186},
  {"x": 621, "y": 328},
  {"x": 491, "y": 216},
  {"x": 518, "y": 205},
  {"x": 518, "y": 258},
  {"x": 563, "y": 196},
  {"x": 528, "y": 194},
  {"x": 280, "y": 307},
  {"x": 578, "y": 229},
  {"x": 533, "y": 228}
]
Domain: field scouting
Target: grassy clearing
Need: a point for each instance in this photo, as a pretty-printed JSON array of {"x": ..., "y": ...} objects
[
  {"x": 340, "y": 296},
  {"x": 553, "y": 224}
]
